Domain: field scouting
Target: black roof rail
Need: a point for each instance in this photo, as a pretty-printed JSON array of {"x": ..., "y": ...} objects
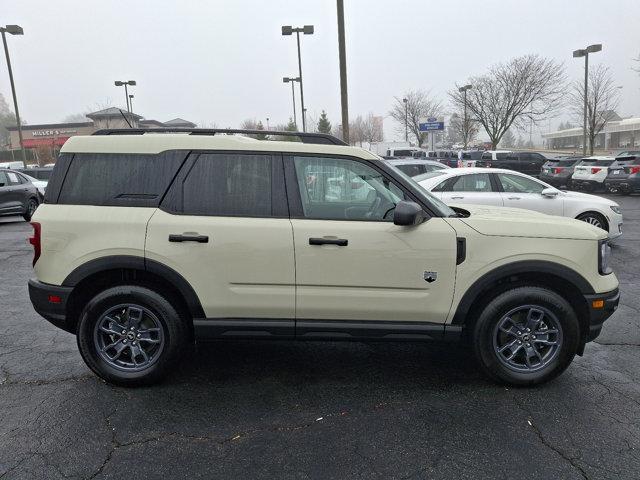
[{"x": 315, "y": 138}]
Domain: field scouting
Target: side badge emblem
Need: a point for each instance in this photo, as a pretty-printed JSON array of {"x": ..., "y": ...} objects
[{"x": 430, "y": 276}]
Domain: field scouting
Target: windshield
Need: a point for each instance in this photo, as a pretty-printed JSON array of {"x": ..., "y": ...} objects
[{"x": 435, "y": 203}]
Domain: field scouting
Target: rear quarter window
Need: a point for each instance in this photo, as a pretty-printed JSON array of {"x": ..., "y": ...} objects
[{"x": 107, "y": 179}]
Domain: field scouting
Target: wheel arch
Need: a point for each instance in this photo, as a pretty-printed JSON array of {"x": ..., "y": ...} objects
[
  {"x": 561, "y": 279},
  {"x": 101, "y": 273},
  {"x": 593, "y": 210}
]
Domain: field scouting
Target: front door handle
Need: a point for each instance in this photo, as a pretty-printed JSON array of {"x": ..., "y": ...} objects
[
  {"x": 341, "y": 242},
  {"x": 457, "y": 198},
  {"x": 175, "y": 237},
  {"x": 514, "y": 198}
]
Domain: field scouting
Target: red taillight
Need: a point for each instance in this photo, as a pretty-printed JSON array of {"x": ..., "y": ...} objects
[
  {"x": 633, "y": 170},
  {"x": 558, "y": 170},
  {"x": 35, "y": 241},
  {"x": 595, "y": 170},
  {"x": 55, "y": 299}
]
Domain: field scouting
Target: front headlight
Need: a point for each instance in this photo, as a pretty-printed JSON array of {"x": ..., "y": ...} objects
[
  {"x": 616, "y": 209},
  {"x": 604, "y": 257}
]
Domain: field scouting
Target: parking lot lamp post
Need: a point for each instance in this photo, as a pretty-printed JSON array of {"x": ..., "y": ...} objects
[
  {"x": 119, "y": 83},
  {"x": 306, "y": 30},
  {"x": 14, "y": 30},
  {"x": 131, "y": 102},
  {"x": 585, "y": 53},
  {"x": 292, "y": 80},
  {"x": 406, "y": 120},
  {"x": 465, "y": 125}
]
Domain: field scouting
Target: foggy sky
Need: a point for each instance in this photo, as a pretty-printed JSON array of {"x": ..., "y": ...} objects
[{"x": 223, "y": 61}]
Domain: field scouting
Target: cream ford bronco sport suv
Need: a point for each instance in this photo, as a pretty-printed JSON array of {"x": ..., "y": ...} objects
[{"x": 148, "y": 241}]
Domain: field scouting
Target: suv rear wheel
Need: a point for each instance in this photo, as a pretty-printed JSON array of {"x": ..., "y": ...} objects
[
  {"x": 526, "y": 336},
  {"x": 130, "y": 335}
]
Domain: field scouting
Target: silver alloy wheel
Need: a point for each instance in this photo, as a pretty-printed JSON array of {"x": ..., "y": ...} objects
[
  {"x": 595, "y": 221},
  {"x": 527, "y": 338},
  {"x": 129, "y": 337}
]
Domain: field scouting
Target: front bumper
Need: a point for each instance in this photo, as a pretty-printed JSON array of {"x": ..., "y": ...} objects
[
  {"x": 598, "y": 315},
  {"x": 50, "y": 301}
]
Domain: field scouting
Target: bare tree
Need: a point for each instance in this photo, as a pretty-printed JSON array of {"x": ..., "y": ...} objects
[
  {"x": 525, "y": 90},
  {"x": 371, "y": 128},
  {"x": 419, "y": 106},
  {"x": 356, "y": 131},
  {"x": 461, "y": 131},
  {"x": 602, "y": 100}
]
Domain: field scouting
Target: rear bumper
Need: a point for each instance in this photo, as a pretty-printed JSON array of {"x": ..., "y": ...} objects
[
  {"x": 589, "y": 184},
  {"x": 597, "y": 316},
  {"x": 623, "y": 184},
  {"x": 50, "y": 301}
]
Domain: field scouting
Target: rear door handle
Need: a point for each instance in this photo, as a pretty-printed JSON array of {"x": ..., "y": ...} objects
[
  {"x": 457, "y": 198},
  {"x": 174, "y": 237},
  {"x": 514, "y": 198},
  {"x": 341, "y": 242}
]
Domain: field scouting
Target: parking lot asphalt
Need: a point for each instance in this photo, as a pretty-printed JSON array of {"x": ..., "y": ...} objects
[{"x": 315, "y": 410}]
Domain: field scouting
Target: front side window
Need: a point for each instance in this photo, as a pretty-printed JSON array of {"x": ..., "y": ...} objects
[
  {"x": 341, "y": 189},
  {"x": 479, "y": 182},
  {"x": 517, "y": 184},
  {"x": 220, "y": 184},
  {"x": 4, "y": 181}
]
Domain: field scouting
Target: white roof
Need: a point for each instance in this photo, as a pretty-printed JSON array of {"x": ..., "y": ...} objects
[{"x": 160, "y": 142}]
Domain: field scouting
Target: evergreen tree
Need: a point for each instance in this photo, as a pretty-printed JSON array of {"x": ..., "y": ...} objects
[
  {"x": 324, "y": 125},
  {"x": 260, "y": 136}
]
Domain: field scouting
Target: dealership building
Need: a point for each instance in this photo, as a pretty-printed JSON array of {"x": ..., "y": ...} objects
[
  {"x": 618, "y": 133},
  {"x": 48, "y": 138}
]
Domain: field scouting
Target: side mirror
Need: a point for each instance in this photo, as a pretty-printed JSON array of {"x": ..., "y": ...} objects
[
  {"x": 549, "y": 192},
  {"x": 407, "y": 214}
]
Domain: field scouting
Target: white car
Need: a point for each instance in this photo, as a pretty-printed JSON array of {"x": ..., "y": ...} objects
[
  {"x": 591, "y": 172},
  {"x": 507, "y": 188}
]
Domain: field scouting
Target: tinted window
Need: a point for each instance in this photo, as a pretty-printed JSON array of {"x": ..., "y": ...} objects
[
  {"x": 518, "y": 184},
  {"x": 486, "y": 156},
  {"x": 500, "y": 156},
  {"x": 402, "y": 153},
  {"x": 135, "y": 180},
  {"x": 4, "y": 181},
  {"x": 412, "y": 169},
  {"x": 340, "y": 189},
  {"x": 565, "y": 163},
  {"x": 479, "y": 182},
  {"x": 14, "y": 178},
  {"x": 228, "y": 185}
]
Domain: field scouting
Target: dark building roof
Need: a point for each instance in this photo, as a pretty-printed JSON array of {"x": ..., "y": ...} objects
[
  {"x": 113, "y": 112},
  {"x": 180, "y": 122}
]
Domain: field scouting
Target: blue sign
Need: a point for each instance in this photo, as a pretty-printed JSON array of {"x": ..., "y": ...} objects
[{"x": 430, "y": 126}]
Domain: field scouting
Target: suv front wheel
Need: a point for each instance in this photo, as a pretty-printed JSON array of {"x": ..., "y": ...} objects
[
  {"x": 526, "y": 336},
  {"x": 130, "y": 335}
]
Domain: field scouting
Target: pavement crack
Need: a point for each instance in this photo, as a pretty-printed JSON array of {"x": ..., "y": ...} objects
[{"x": 573, "y": 461}]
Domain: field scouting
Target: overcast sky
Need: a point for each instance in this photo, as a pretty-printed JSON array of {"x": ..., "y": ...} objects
[{"x": 223, "y": 61}]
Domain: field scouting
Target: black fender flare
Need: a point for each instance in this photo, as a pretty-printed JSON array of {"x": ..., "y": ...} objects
[
  {"x": 527, "y": 266},
  {"x": 132, "y": 262}
]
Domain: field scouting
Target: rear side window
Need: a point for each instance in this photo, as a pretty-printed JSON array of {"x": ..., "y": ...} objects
[
  {"x": 220, "y": 184},
  {"x": 106, "y": 179}
]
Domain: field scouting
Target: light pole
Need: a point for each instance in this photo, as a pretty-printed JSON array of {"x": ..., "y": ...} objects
[
  {"x": 342, "y": 55},
  {"x": 131, "y": 102},
  {"x": 14, "y": 30},
  {"x": 306, "y": 30},
  {"x": 465, "y": 125},
  {"x": 406, "y": 119},
  {"x": 292, "y": 80},
  {"x": 119, "y": 83},
  {"x": 585, "y": 53},
  {"x": 267, "y": 123}
]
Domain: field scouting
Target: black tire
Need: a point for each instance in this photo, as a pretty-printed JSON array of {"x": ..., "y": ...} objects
[
  {"x": 30, "y": 209},
  {"x": 485, "y": 329},
  {"x": 171, "y": 329},
  {"x": 594, "y": 218}
]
